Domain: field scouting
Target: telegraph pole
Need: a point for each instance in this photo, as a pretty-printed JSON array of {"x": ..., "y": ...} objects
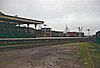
[
  {"x": 88, "y": 30},
  {"x": 66, "y": 29},
  {"x": 80, "y": 31}
]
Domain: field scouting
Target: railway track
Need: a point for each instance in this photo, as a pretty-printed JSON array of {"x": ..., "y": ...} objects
[
  {"x": 91, "y": 58},
  {"x": 94, "y": 53},
  {"x": 95, "y": 45}
]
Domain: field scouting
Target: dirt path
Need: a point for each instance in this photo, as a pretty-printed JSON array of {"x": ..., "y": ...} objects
[{"x": 57, "y": 56}]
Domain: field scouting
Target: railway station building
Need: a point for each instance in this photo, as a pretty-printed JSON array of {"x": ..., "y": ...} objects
[
  {"x": 10, "y": 27},
  {"x": 74, "y": 34}
]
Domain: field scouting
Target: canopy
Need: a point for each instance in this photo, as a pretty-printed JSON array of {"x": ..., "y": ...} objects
[{"x": 18, "y": 20}]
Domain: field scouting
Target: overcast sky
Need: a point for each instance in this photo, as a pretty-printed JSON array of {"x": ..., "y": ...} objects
[{"x": 57, "y": 13}]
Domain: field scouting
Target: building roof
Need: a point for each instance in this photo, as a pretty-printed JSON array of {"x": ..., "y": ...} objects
[
  {"x": 20, "y": 20},
  {"x": 1, "y": 13},
  {"x": 46, "y": 28},
  {"x": 98, "y": 32},
  {"x": 75, "y": 32}
]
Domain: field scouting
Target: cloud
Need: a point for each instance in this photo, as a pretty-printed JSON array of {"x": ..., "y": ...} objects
[{"x": 57, "y": 13}]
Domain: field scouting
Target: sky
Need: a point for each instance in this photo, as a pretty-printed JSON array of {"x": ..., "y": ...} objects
[{"x": 57, "y": 13}]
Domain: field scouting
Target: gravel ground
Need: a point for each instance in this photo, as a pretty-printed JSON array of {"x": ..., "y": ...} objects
[{"x": 57, "y": 56}]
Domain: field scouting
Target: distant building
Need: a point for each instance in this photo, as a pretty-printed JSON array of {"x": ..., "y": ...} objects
[
  {"x": 43, "y": 32},
  {"x": 39, "y": 33},
  {"x": 74, "y": 34},
  {"x": 57, "y": 34},
  {"x": 47, "y": 32}
]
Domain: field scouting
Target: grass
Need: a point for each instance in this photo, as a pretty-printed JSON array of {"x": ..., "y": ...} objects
[
  {"x": 84, "y": 55},
  {"x": 89, "y": 54},
  {"x": 95, "y": 53}
]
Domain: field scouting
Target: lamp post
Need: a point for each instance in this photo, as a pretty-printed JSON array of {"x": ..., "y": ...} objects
[{"x": 45, "y": 30}]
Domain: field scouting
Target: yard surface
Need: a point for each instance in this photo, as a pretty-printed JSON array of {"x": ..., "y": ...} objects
[{"x": 53, "y": 56}]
